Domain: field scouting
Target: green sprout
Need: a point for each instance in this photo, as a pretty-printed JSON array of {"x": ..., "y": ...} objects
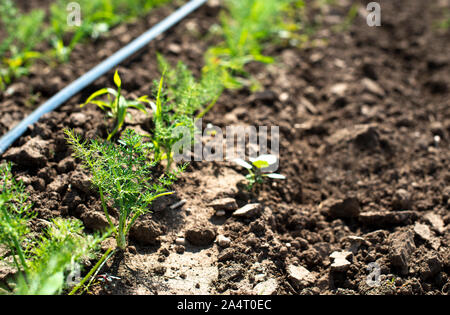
[
  {"x": 256, "y": 169},
  {"x": 246, "y": 26},
  {"x": 178, "y": 104},
  {"x": 123, "y": 175},
  {"x": 23, "y": 33},
  {"x": 15, "y": 214},
  {"x": 117, "y": 105},
  {"x": 57, "y": 251},
  {"x": 41, "y": 262}
]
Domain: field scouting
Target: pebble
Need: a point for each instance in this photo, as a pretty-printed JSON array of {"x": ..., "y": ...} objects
[
  {"x": 180, "y": 241},
  {"x": 300, "y": 276},
  {"x": 424, "y": 232},
  {"x": 178, "y": 204},
  {"x": 402, "y": 200},
  {"x": 248, "y": 211},
  {"x": 284, "y": 97},
  {"x": 227, "y": 204},
  {"x": 340, "y": 263},
  {"x": 220, "y": 213},
  {"x": 401, "y": 248},
  {"x": 268, "y": 287},
  {"x": 223, "y": 241},
  {"x": 373, "y": 87},
  {"x": 435, "y": 221},
  {"x": 260, "y": 277},
  {"x": 78, "y": 119},
  {"x": 174, "y": 48},
  {"x": 339, "y": 89},
  {"x": 338, "y": 208}
]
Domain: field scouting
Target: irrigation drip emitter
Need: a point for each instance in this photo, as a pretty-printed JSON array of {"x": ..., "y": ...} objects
[{"x": 105, "y": 66}]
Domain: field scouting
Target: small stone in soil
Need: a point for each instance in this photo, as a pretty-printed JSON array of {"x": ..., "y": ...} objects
[
  {"x": 260, "y": 277},
  {"x": 178, "y": 204},
  {"x": 386, "y": 218},
  {"x": 300, "y": 276},
  {"x": 401, "y": 200},
  {"x": 78, "y": 119},
  {"x": 201, "y": 235},
  {"x": 223, "y": 241},
  {"x": 338, "y": 208},
  {"x": 424, "y": 232},
  {"x": 268, "y": 287},
  {"x": 339, "y": 89},
  {"x": 341, "y": 262},
  {"x": 180, "y": 241},
  {"x": 401, "y": 248},
  {"x": 436, "y": 222},
  {"x": 373, "y": 87},
  {"x": 220, "y": 213},
  {"x": 248, "y": 211},
  {"x": 227, "y": 204}
]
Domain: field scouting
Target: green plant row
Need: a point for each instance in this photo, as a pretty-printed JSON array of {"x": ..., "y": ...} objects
[
  {"x": 245, "y": 27},
  {"x": 178, "y": 100},
  {"x": 25, "y": 33}
]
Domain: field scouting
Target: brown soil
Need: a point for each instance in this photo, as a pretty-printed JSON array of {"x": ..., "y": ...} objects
[
  {"x": 365, "y": 132},
  {"x": 29, "y": 5}
]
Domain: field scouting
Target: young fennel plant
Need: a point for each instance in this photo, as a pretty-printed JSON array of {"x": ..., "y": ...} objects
[
  {"x": 123, "y": 175},
  {"x": 180, "y": 100},
  {"x": 246, "y": 26},
  {"x": 41, "y": 262}
]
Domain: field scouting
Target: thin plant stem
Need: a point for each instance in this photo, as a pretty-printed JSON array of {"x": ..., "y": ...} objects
[
  {"x": 105, "y": 209},
  {"x": 97, "y": 266}
]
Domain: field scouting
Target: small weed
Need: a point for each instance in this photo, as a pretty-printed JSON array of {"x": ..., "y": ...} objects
[
  {"x": 117, "y": 106},
  {"x": 256, "y": 173},
  {"x": 444, "y": 22}
]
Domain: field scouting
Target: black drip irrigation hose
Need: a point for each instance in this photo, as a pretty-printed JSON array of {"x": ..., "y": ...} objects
[{"x": 105, "y": 66}]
